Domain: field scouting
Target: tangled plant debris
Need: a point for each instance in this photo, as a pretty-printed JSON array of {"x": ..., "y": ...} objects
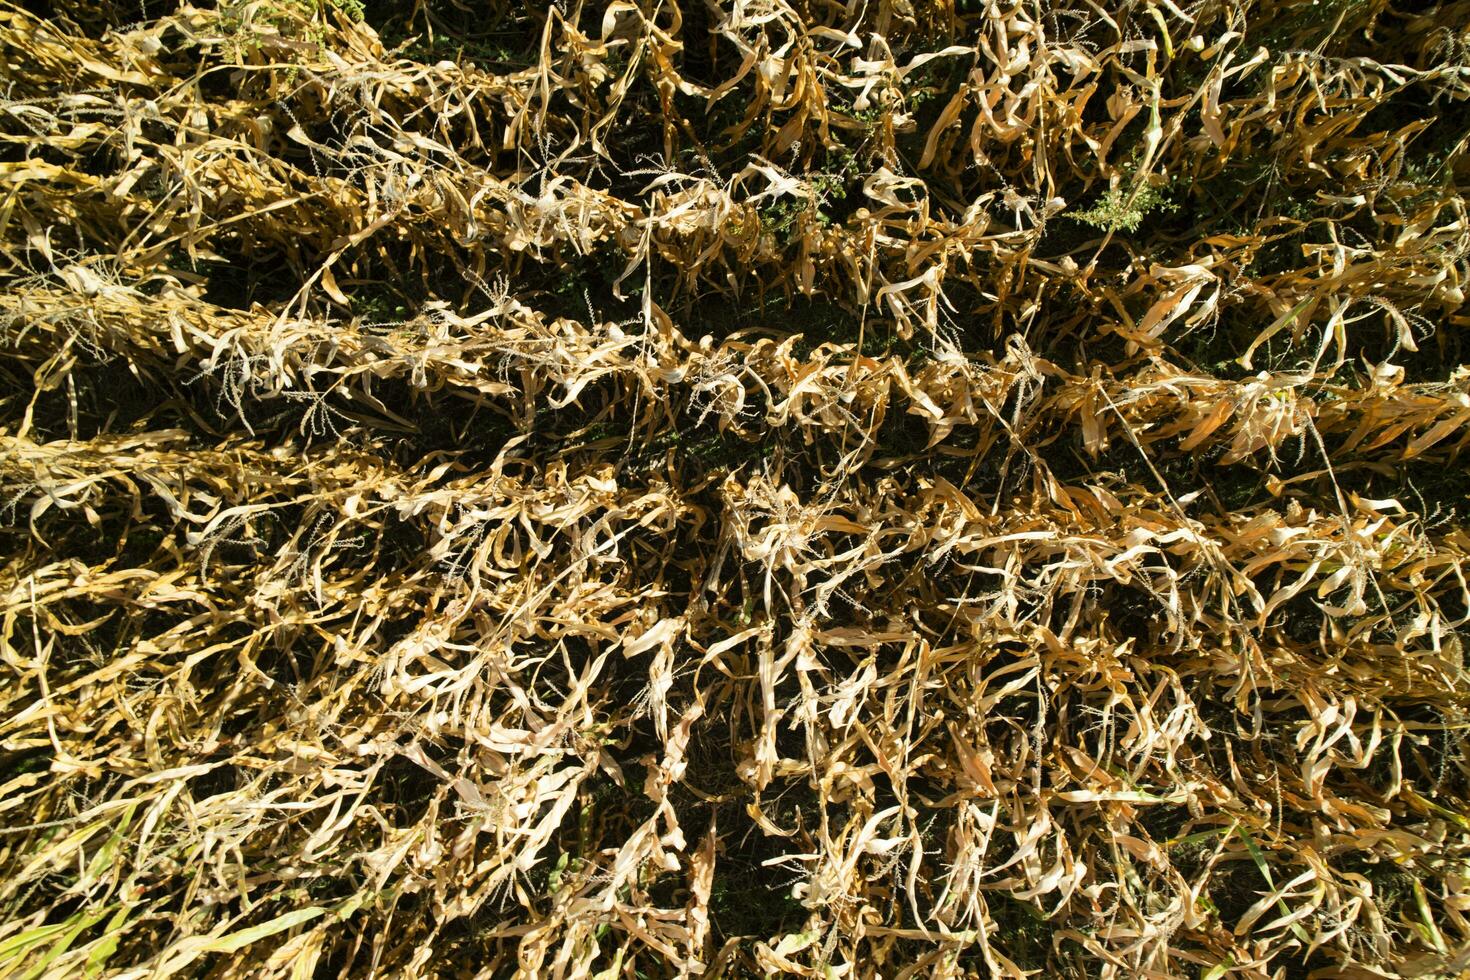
[{"x": 915, "y": 488}]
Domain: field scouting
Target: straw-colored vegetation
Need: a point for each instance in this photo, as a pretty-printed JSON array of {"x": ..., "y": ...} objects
[{"x": 888, "y": 488}]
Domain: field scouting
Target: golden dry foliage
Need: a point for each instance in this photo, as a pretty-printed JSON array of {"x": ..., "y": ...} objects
[{"x": 904, "y": 488}]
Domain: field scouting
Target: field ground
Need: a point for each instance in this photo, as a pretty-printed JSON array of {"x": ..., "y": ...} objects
[{"x": 904, "y": 488}]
